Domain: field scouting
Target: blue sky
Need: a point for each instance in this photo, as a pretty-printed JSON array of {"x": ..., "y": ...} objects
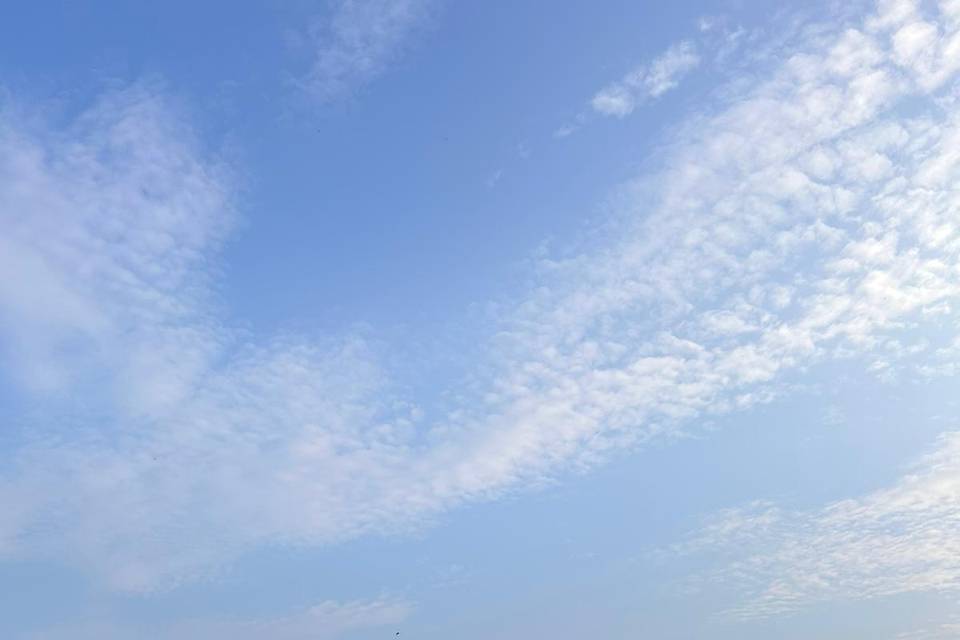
[{"x": 334, "y": 319}]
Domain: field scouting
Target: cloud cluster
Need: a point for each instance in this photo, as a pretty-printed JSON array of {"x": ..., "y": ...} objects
[
  {"x": 805, "y": 217},
  {"x": 896, "y": 540}
]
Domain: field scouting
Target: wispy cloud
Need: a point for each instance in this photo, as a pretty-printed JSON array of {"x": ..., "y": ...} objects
[
  {"x": 108, "y": 225},
  {"x": 648, "y": 81},
  {"x": 897, "y": 540},
  {"x": 357, "y": 42},
  {"x": 803, "y": 218},
  {"x": 943, "y": 631}
]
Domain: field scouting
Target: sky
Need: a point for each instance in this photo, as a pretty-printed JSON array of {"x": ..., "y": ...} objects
[{"x": 596, "y": 319}]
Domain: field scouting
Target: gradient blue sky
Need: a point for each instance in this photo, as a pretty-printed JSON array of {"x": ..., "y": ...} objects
[{"x": 484, "y": 320}]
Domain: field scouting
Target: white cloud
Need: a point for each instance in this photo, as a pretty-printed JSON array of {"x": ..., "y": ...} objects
[
  {"x": 107, "y": 227},
  {"x": 896, "y": 540},
  {"x": 805, "y": 219},
  {"x": 357, "y": 43},
  {"x": 648, "y": 81}
]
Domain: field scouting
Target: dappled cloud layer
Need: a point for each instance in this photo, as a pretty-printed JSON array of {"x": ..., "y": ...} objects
[{"x": 810, "y": 214}]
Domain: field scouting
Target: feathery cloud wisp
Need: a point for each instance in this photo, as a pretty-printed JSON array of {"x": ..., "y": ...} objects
[
  {"x": 358, "y": 42},
  {"x": 646, "y": 82}
]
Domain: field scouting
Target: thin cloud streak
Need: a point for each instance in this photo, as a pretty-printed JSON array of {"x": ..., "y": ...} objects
[{"x": 647, "y": 82}]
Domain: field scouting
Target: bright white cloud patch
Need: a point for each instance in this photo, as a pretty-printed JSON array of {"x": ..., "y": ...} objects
[
  {"x": 805, "y": 218},
  {"x": 648, "y": 81},
  {"x": 358, "y": 41},
  {"x": 897, "y": 540}
]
